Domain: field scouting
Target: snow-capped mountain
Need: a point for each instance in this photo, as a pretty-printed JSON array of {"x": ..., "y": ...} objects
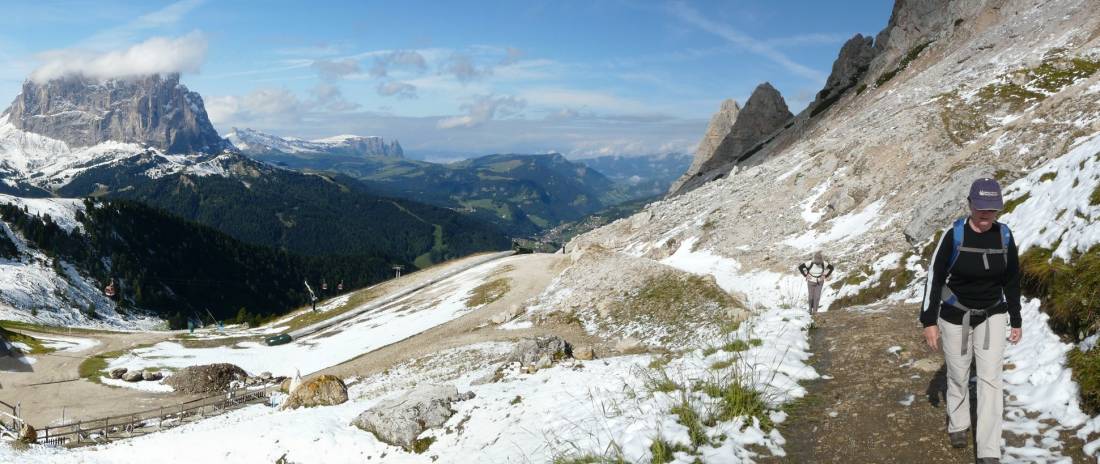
[{"x": 259, "y": 144}]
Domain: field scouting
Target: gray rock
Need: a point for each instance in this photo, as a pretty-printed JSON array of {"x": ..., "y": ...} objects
[
  {"x": 942, "y": 205},
  {"x": 720, "y": 125},
  {"x": 530, "y": 351},
  {"x": 400, "y": 420},
  {"x": 763, "y": 115},
  {"x": 117, "y": 373},
  {"x": 151, "y": 375},
  {"x": 132, "y": 376},
  {"x": 852, "y": 63},
  {"x": 152, "y": 110}
]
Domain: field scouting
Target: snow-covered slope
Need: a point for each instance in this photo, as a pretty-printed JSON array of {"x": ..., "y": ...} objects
[{"x": 35, "y": 289}]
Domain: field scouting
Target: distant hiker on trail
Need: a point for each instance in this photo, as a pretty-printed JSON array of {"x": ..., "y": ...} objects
[
  {"x": 816, "y": 272},
  {"x": 972, "y": 293}
]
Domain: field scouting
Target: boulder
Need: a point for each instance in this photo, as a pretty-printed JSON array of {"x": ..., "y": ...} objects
[
  {"x": 206, "y": 378},
  {"x": 398, "y": 421},
  {"x": 151, "y": 375},
  {"x": 324, "y": 390},
  {"x": 118, "y": 372},
  {"x": 531, "y": 351},
  {"x": 584, "y": 353},
  {"x": 27, "y": 434},
  {"x": 132, "y": 376}
]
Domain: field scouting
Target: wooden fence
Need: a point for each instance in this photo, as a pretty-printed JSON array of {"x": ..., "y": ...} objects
[{"x": 139, "y": 423}]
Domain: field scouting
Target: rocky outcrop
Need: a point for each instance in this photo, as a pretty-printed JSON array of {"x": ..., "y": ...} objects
[
  {"x": 206, "y": 378},
  {"x": 852, "y": 63},
  {"x": 719, "y": 127},
  {"x": 324, "y": 390},
  {"x": 155, "y": 110},
  {"x": 398, "y": 421},
  {"x": 914, "y": 22},
  {"x": 540, "y": 350},
  {"x": 764, "y": 114}
]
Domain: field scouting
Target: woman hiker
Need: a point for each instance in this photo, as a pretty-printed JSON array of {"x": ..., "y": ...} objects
[
  {"x": 815, "y": 272},
  {"x": 971, "y": 295}
]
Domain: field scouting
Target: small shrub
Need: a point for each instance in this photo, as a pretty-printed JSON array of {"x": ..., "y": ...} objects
[
  {"x": 517, "y": 400},
  {"x": 1086, "y": 372},
  {"x": 1048, "y": 176},
  {"x": 420, "y": 445},
  {"x": 1070, "y": 291},
  {"x": 664, "y": 452}
]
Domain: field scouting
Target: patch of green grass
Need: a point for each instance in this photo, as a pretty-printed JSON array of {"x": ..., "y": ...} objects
[
  {"x": 659, "y": 362},
  {"x": 660, "y": 382},
  {"x": 735, "y": 346},
  {"x": 663, "y": 452},
  {"x": 489, "y": 292},
  {"x": 590, "y": 459},
  {"x": 1086, "y": 372},
  {"x": 1011, "y": 205},
  {"x": 1094, "y": 197},
  {"x": 18, "y": 325},
  {"x": 357, "y": 299},
  {"x": 95, "y": 366},
  {"x": 1070, "y": 290},
  {"x": 420, "y": 445},
  {"x": 688, "y": 417},
  {"x": 756, "y": 342},
  {"x": 735, "y": 399},
  {"x": 889, "y": 282},
  {"x": 710, "y": 350},
  {"x": 722, "y": 364},
  {"x": 517, "y": 400},
  {"x": 35, "y": 345},
  {"x": 1048, "y": 176}
]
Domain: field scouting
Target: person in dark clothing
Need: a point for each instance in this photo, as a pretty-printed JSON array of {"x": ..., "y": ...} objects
[
  {"x": 816, "y": 272},
  {"x": 971, "y": 295}
]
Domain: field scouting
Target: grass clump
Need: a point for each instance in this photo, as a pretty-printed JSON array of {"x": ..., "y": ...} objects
[
  {"x": 735, "y": 346},
  {"x": 689, "y": 417},
  {"x": 420, "y": 445},
  {"x": 663, "y": 452},
  {"x": 489, "y": 292},
  {"x": 1094, "y": 197},
  {"x": 1048, "y": 176},
  {"x": 735, "y": 399},
  {"x": 1011, "y": 205},
  {"x": 1070, "y": 290},
  {"x": 589, "y": 459},
  {"x": 1086, "y": 372}
]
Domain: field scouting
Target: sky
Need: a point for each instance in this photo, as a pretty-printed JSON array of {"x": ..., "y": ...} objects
[{"x": 450, "y": 79}]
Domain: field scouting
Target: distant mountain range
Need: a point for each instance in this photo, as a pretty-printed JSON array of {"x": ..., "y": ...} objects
[
  {"x": 150, "y": 140},
  {"x": 521, "y": 194}
]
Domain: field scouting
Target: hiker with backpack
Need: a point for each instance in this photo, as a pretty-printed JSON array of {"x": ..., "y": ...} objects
[
  {"x": 971, "y": 295},
  {"x": 815, "y": 272}
]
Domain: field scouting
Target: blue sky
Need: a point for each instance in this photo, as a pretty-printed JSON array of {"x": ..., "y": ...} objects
[{"x": 451, "y": 79}]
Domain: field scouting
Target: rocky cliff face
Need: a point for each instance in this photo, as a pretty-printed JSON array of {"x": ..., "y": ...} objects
[
  {"x": 155, "y": 111},
  {"x": 720, "y": 125},
  {"x": 256, "y": 143},
  {"x": 763, "y": 115},
  {"x": 852, "y": 63}
]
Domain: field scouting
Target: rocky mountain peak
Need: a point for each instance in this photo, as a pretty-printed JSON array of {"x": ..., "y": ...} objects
[
  {"x": 255, "y": 143},
  {"x": 152, "y": 110},
  {"x": 764, "y": 114},
  {"x": 853, "y": 61},
  {"x": 720, "y": 125}
]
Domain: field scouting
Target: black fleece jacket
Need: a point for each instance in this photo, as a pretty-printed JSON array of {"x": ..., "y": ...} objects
[{"x": 975, "y": 286}]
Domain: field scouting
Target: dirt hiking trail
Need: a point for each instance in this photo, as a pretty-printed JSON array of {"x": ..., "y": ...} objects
[{"x": 876, "y": 403}]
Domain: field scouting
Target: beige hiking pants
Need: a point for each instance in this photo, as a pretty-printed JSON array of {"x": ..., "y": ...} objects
[{"x": 989, "y": 366}]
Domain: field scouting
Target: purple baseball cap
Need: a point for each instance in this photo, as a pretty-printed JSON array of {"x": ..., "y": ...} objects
[{"x": 985, "y": 194}]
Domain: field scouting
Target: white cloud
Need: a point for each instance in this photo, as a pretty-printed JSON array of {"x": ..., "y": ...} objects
[
  {"x": 587, "y": 99},
  {"x": 328, "y": 97},
  {"x": 462, "y": 67},
  {"x": 404, "y": 59},
  {"x": 690, "y": 16},
  {"x": 397, "y": 89},
  {"x": 153, "y": 56},
  {"x": 483, "y": 109},
  {"x": 266, "y": 104},
  {"x": 335, "y": 69}
]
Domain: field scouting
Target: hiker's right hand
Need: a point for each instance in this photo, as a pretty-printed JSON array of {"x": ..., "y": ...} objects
[{"x": 932, "y": 337}]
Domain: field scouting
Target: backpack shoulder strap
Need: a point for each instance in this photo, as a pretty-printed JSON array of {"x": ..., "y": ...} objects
[
  {"x": 957, "y": 240},
  {"x": 1006, "y": 237}
]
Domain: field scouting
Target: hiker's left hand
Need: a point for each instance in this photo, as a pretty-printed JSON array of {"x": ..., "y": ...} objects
[{"x": 1014, "y": 335}]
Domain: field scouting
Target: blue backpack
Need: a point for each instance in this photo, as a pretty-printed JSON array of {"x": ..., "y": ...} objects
[{"x": 957, "y": 238}]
